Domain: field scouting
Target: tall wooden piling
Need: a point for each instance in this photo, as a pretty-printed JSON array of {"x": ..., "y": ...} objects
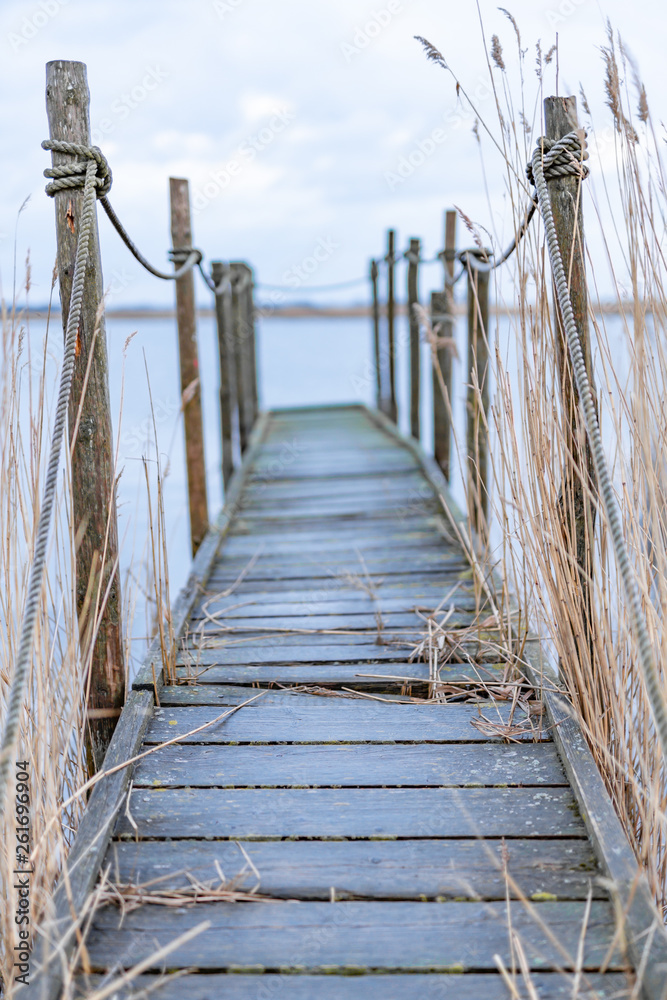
[
  {"x": 223, "y": 315},
  {"x": 477, "y": 400},
  {"x": 181, "y": 235},
  {"x": 376, "y": 334},
  {"x": 413, "y": 319},
  {"x": 442, "y": 317},
  {"x": 98, "y": 593},
  {"x": 391, "y": 323},
  {"x": 244, "y": 348},
  {"x": 577, "y": 485}
]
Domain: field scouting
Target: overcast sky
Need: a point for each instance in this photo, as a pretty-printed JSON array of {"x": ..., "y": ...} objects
[{"x": 290, "y": 118}]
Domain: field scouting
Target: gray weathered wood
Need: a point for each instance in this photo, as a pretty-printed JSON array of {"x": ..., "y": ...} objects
[
  {"x": 376, "y": 333},
  {"x": 642, "y": 922},
  {"x": 415, "y": 936},
  {"x": 391, "y": 677},
  {"x": 450, "y": 986},
  {"x": 332, "y": 721},
  {"x": 244, "y": 348},
  {"x": 188, "y": 355},
  {"x": 88, "y": 850},
  {"x": 391, "y": 324},
  {"x": 278, "y": 651},
  {"x": 442, "y": 319},
  {"x": 602, "y": 823},
  {"x": 228, "y": 405},
  {"x": 415, "y": 346},
  {"x": 324, "y": 765},
  {"x": 391, "y": 869},
  {"x": 98, "y": 590},
  {"x": 477, "y": 400},
  {"x": 351, "y": 812},
  {"x": 578, "y": 485}
]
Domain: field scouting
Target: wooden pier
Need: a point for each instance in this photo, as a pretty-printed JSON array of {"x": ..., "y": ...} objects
[
  {"x": 399, "y": 850},
  {"x": 296, "y": 802}
]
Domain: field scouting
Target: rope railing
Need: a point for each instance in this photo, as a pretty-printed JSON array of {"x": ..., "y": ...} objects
[
  {"x": 88, "y": 172},
  {"x": 552, "y": 159}
]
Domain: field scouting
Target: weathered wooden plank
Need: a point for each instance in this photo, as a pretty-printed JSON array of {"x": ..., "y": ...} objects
[
  {"x": 320, "y": 766},
  {"x": 373, "y": 677},
  {"x": 398, "y": 869},
  {"x": 351, "y": 812},
  {"x": 401, "y": 936},
  {"x": 342, "y": 486},
  {"x": 449, "y": 569},
  {"x": 284, "y": 546},
  {"x": 439, "y": 584},
  {"x": 451, "y": 986},
  {"x": 388, "y": 561},
  {"x": 335, "y": 720},
  {"x": 271, "y": 606},
  {"x": 259, "y": 641},
  {"x": 391, "y": 621},
  {"x": 280, "y": 652},
  {"x": 642, "y": 922}
]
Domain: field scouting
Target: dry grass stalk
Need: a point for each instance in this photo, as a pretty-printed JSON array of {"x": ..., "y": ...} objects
[{"x": 529, "y": 449}]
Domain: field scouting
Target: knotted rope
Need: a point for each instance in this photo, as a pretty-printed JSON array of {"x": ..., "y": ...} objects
[
  {"x": 563, "y": 159},
  {"x": 72, "y": 175},
  {"x": 93, "y": 176}
]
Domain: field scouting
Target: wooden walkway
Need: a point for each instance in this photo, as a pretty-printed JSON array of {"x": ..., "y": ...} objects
[{"x": 380, "y": 829}]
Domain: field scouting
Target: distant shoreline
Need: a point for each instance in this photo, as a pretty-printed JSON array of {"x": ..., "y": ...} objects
[{"x": 301, "y": 312}]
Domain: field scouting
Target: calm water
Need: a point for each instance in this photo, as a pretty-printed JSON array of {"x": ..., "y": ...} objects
[{"x": 301, "y": 362}]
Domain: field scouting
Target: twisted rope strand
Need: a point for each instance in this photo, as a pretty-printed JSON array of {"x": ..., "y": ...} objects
[
  {"x": 541, "y": 169},
  {"x": 91, "y": 186},
  {"x": 72, "y": 175}
]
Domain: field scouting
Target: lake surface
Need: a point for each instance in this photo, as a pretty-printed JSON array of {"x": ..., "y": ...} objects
[{"x": 300, "y": 361}]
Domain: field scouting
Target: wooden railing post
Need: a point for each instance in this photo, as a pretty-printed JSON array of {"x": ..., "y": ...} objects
[
  {"x": 376, "y": 334},
  {"x": 477, "y": 400},
  {"x": 223, "y": 316},
  {"x": 413, "y": 320},
  {"x": 181, "y": 235},
  {"x": 98, "y": 591},
  {"x": 391, "y": 323},
  {"x": 577, "y": 510},
  {"x": 252, "y": 343},
  {"x": 244, "y": 348},
  {"x": 442, "y": 316}
]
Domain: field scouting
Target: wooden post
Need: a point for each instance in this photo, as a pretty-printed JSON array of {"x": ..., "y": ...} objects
[
  {"x": 181, "y": 235},
  {"x": 442, "y": 315},
  {"x": 252, "y": 343},
  {"x": 376, "y": 335},
  {"x": 223, "y": 315},
  {"x": 413, "y": 299},
  {"x": 93, "y": 478},
  {"x": 477, "y": 400},
  {"x": 577, "y": 511},
  {"x": 391, "y": 313},
  {"x": 244, "y": 349}
]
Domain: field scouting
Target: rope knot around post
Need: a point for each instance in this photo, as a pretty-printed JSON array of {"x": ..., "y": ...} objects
[
  {"x": 181, "y": 255},
  {"x": 73, "y": 175},
  {"x": 561, "y": 157}
]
